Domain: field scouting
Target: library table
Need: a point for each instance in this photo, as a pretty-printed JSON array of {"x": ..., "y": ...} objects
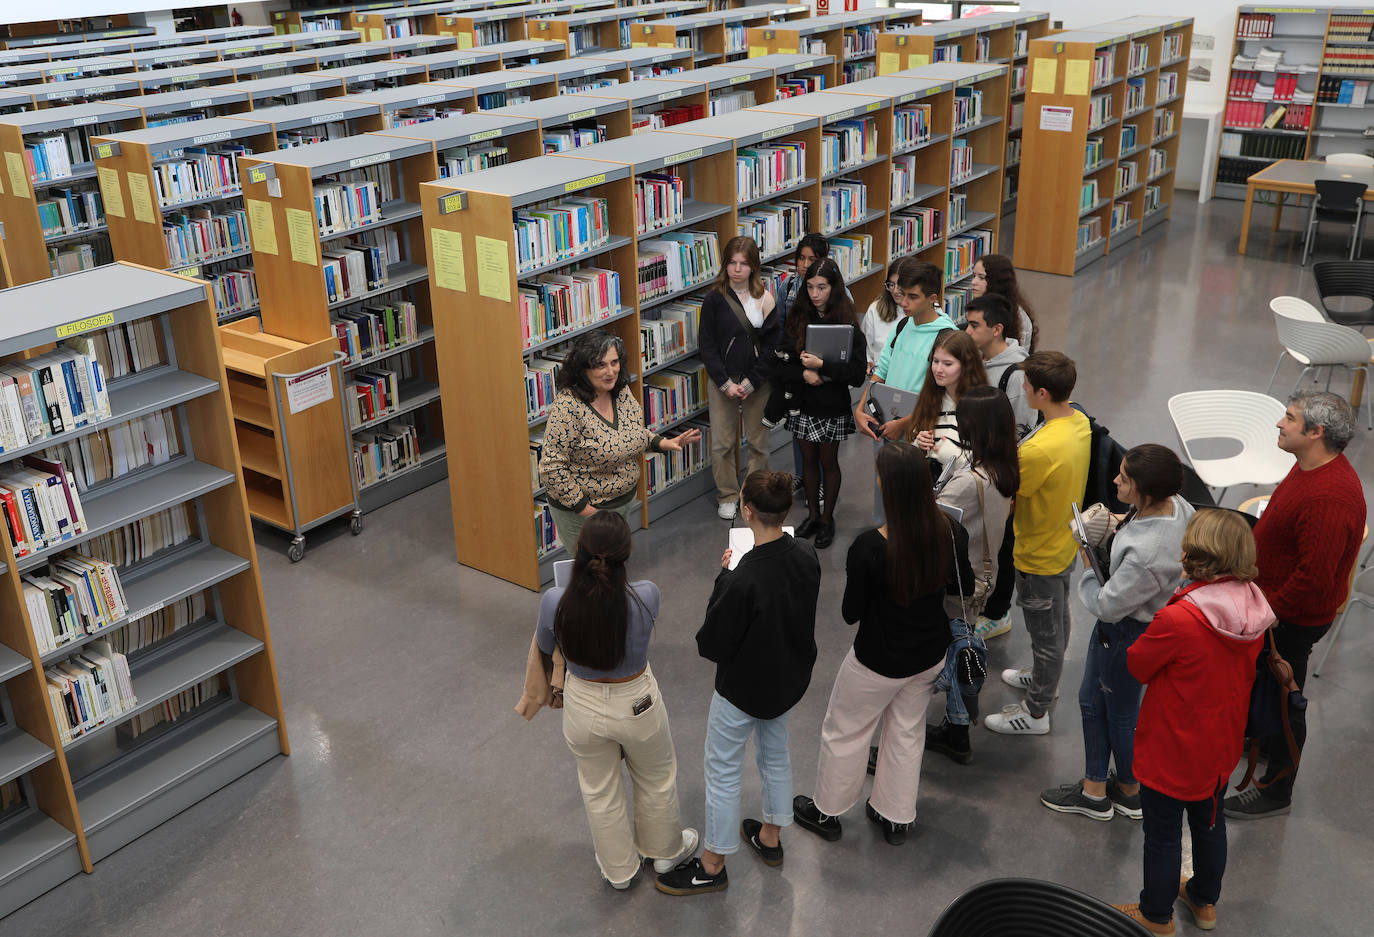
[{"x": 1298, "y": 177}]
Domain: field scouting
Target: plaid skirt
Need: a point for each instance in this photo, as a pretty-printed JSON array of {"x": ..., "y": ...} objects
[{"x": 820, "y": 428}]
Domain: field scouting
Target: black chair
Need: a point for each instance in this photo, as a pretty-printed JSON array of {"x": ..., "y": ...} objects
[
  {"x": 1346, "y": 288},
  {"x": 1341, "y": 202},
  {"x": 1021, "y": 907}
]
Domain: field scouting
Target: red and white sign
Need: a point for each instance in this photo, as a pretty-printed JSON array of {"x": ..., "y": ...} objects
[
  {"x": 822, "y": 7},
  {"x": 851, "y": 6}
]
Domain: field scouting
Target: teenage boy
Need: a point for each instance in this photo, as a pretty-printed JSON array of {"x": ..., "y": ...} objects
[
  {"x": 1306, "y": 542},
  {"x": 1054, "y": 473},
  {"x": 906, "y": 356}
]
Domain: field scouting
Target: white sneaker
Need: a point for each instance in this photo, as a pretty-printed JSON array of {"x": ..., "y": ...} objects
[
  {"x": 1017, "y": 720},
  {"x": 726, "y": 511},
  {"x": 987, "y": 627},
  {"x": 1021, "y": 679},
  {"x": 621, "y": 886},
  {"x": 690, "y": 838}
]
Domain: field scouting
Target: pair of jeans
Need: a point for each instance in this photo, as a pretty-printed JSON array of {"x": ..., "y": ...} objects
[
  {"x": 1163, "y": 826},
  {"x": 1294, "y": 644},
  {"x": 727, "y": 731},
  {"x": 999, "y": 600},
  {"x": 1109, "y": 699},
  {"x": 600, "y": 727},
  {"x": 1044, "y": 601}
]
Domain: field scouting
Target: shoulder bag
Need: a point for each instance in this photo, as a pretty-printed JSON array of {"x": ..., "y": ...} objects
[
  {"x": 733, "y": 302},
  {"x": 971, "y": 661}
]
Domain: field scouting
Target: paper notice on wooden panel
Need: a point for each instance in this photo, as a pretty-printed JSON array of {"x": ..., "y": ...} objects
[
  {"x": 493, "y": 268},
  {"x": 309, "y": 390},
  {"x": 1056, "y": 118},
  {"x": 465, "y": 40},
  {"x": 919, "y": 59},
  {"x": 756, "y": 52},
  {"x": 374, "y": 34},
  {"x": 300, "y": 227},
  {"x": 1076, "y": 76},
  {"x": 1043, "y": 74},
  {"x": 109, "y": 191},
  {"x": 261, "y": 225},
  {"x": 141, "y": 194},
  {"x": 449, "y": 273},
  {"x": 889, "y": 62},
  {"x": 19, "y": 174}
]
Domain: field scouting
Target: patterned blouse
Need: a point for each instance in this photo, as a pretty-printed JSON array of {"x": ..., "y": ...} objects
[{"x": 589, "y": 460}]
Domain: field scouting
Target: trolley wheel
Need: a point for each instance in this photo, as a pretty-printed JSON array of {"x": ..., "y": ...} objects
[
  {"x": 296, "y": 551},
  {"x": 355, "y": 524}
]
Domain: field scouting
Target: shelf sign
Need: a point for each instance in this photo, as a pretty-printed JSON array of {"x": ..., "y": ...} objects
[
  {"x": 191, "y": 272},
  {"x": 669, "y": 95},
  {"x": 582, "y": 115},
  {"x": 212, "y": 137},
  {"x": 739, "y": 79},
  {"x": 683, "y": 157},
  {"x": 83, "y": 121},
  {"x": 875, "y": 105},
  {"x": 585, "y": 183},
  {"x": 85, "y": 325},
  {"x": 261, "y": 173},
  {"x": 1056, "y": 118},
  {"x": 484, "y": 135},
  {"x": 522, "y": 83},
  {"x": 448, "y": 204},
  {"x": 309, "y": 390},
  {"x": 369, "y": 160},
  {"x": 779, "y": 132},
  {"x": 430, "y": 99}
]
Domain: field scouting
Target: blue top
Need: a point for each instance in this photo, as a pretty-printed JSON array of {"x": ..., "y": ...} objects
[{"x": 641, "y": 627}]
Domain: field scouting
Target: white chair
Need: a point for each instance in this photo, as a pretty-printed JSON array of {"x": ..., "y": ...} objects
[
  {"x": 1315, "y": 343},
  {"x": 1242, "y": 416},
  {"x": 1355, "y": 160}
]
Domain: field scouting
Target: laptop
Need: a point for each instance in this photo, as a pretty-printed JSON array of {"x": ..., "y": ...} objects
[
  {"x": 894, "y": 402},
  {"x": 1080, "y": 533},
  {"x": 830, "y": 342}
]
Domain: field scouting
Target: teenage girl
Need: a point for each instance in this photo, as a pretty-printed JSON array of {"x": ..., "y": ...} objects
[{"x": 956, "y": 364}]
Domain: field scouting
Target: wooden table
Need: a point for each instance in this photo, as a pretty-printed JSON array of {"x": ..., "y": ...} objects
[{"x": 1298, "y": 177}]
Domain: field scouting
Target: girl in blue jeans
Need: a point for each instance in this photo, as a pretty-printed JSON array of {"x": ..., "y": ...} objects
[{"x": 1144, "y": 571}]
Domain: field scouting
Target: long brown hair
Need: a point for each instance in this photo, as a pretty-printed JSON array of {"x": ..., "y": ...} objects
[
  {"x": 839, "y": 309},
  {"x": 1001, "y": 279},
  {"x": 592, "y": 620},
  {"x": 919, "y": 547},
  {"x": 971, "y": 374},
  {"x": 888, "y": 310},
  {"x": 750, "y": 250}
]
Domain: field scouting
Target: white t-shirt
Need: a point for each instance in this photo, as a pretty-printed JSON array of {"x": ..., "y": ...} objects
[
  {"x": 876, "y": 332},
  {"x": 753, "y": 309}
]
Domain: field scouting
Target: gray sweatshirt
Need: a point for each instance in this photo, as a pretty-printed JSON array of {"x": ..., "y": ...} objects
[
  {"x": 1014, "y": 354},
  {"x": 1145, "y": 570}
]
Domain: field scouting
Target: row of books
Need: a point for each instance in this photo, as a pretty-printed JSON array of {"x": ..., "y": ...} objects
[
  {"x": 75, "y": 596},
  {"x": 1135, "y": 95},
  {"x": 982, "y": 48},
  {"x": 665, "y": 117},
  {"x": 545, "y": 533},
  {"x": 159, "y": 625},
  {"x": 1089, "y": 232},
  {"x": 376, "y": 392},
  {"x": 1343, "y": 91},
  {"x": 670, "y": 394},
  {"x": 1102, "y": 67},
  {"x": 315, "y": 133},
  {"x": 763, "y": 170},
  {"x": 1349, "y": 60},
  {"x": 486, "y": 34},
  {"x": 570, "y": 138},
  {"x": 1014, "y": 151},
  {"x": 11, "y": 797},
  {"x": 145, "y": 537},
  {"x": 118, "y": 449},
  {"x": 173, "y": 708},
  {"x": 1163, "y": 124},
  {"x": 958, "y": 211},
  {"x": 50, "y": 394},
  {"x": 1152, "y": 198},
  {"x": 1099, "y": 110},
  {"x": 1139, "y": 58},
  {"x": 1344, "y": 27},
  {"x": 963, "y": 251},
  {"x": 1127, "y": 175},
  {"x": 342, "y": 206},
  {"x": 843, "y": 202},
  {"x": 371, "y": 331},
  {"x": 1018, "y": 78},
  {"x": 541, "y": 378},
  {"x": 202, "y": 173},
  {"x": 677, "y": 261},
  {"x": 1255, "y": 25},
  {"x": 912, "y": 230},
  {"x": 1021, "y": 45},
  {"x": 559, "y": 303},
  {"x": 736, "y": 39},
  {"x": 460, "y": 159},
  {"x": 1251, "y": 114},
  {"x": 861, "y": 40},
  {"x": 1245, "y": 83},
  {"x": 235, "y": 291},
  {"x": 668, "y": 331},
  {"x": 353, "y": 269},
  {"x": 1088, "y": 195},
  {"x": 1095, "y": 153},
  {"x": 948, "y": 53},
  {"x": 796, "y": 85},
  {"x": 385, "y": 450},
  {"x": 1129, "y": 136},
  {"x": 662, "y": 470},
  {"x": 777, "y": 226},
  {"x": 63, "y": 260},
  {"x": 910, "y": 125},
  {"x": 960, "y": 161},
  {"x": 1159, "y": 161},
  {"x": 1121, "y": 216},
  {"x": 1166, "y": 86},
  {"x": 70, "y": 211},
  {"x": 200, "y": 235},
  {"x": 560, "y": 231},
  {"x": 50, "y": 157},
  {"x": 659, "y": 198},
  {"x": 1266, "y": 60},
  {"x": 1260, "y": 146},
  {"x": 89, "y": 690},
  {"x": 859, "y": 71},
  {"x": 1016, "y": 118},
  {"x": 494, "y": 99},
  {"x": 904, "y": 179},
  {"x": 727, "y": 102},
  {"x": 848, "y": 143},
  {"x": 123, "y": 349},
  {"x": 968, "y": 108},
  {"x": 853, "y": 254},
  {"x": 411, "y": 116}
]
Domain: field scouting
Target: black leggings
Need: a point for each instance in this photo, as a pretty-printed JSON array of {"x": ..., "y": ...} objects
[
  {"x": 999, "y": 601},
  {"x": 818, "y": 458}
]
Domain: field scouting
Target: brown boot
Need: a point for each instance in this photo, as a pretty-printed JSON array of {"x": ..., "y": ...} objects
[
  {"x": 1204, "y": 915},
  {"x": 1132, "y": 911}
]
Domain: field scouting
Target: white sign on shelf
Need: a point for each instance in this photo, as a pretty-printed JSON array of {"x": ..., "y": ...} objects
[
  {"x": 1056, "y": 118},
  {"x": 308, "y": 390}
]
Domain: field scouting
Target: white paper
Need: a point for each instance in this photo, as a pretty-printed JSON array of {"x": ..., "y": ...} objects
[
  {"x": 308, "y": 390},
  {"x": 1056, "y": 118},
  {"x": 742, "y": 541}
]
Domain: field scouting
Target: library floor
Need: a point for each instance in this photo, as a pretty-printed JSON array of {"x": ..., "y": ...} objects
[{"x": 416, "y": 802}]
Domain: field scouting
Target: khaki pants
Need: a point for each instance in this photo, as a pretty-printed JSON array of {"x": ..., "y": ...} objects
[
  {"x": 569, "y": 523},
  {"x": 726, "y": 417},
  {"x": 598, "y": 725}
]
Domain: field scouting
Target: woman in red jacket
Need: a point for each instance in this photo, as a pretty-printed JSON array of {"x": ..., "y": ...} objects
[{"x": 1197, "y": 659}]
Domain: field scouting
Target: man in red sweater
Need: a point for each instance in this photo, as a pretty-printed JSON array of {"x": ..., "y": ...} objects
[{"x": 1307, "y": 540}]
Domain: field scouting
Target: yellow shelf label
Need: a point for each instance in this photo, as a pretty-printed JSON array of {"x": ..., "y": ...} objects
[
  {"x": 85, "y": 325},
  {"x": 585, "y": 183},
  {"x": 683, "y": 157}
]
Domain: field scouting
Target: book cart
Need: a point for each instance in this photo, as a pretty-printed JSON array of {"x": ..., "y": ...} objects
[
  {"x": 1100, "y": 141},
  {"x": 192, "y": 625}
]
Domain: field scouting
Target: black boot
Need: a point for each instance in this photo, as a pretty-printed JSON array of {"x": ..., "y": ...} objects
[{"x": 951, "y": 740}]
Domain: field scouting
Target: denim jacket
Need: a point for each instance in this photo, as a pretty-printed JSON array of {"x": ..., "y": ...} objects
[{"x": 949, "y": 675}]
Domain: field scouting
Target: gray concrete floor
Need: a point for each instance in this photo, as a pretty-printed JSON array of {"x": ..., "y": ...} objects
[{"x": 416, "y": 802}]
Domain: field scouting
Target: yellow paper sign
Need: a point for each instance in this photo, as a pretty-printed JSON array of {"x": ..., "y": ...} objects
[
  {"x": 293, "y": 28},
  {"x": 493, "y": 268},
  {"x": 756, "y": 52},
  {"x": 264, "y": 231},
  {"x": 1076, "y": 79},
  {"x": 448, "y": 261},
  {"x": 19, "y": 174},
  {"x": 300, "y": 227},
  {"x": 109, "y": 191},
  {"x": 1043, "y": 73},
  {"x": 374, "y": 34},
  {"x": 889, "y": 62},
  {"x": 141, "y": 195},
  {"x": 637, "y": 44},
  {"x": 919, "y": 59},
  {"x": 465, "y": 40}
]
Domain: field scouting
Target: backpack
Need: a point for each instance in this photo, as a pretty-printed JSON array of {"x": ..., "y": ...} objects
[{"x": 1104, "y": 461}]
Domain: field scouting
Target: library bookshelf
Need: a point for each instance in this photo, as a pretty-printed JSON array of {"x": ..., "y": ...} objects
[
  {"x": 586, "y": 73},
  {"x": 87, "y": 793},
  {"x": 1310, "y": 101},
  {"x": 1100, "y": 144},
  {"x": 571, "y": 120},
  {"x": 491, "y": 90},
  {"x": 716, "y": 37},
  {"x": 793, "y": 72},
  {"x": 319, "y": 19},
  {"x": 520, "y": 52},
  {"x": 822, "y": 35},
  {"x": 270, "y": 66},
  {"x": 731, "y": 87},
  {"x": 409, "y": 104},
  {"x": 475, "y": 28},
  {"x": 656, "y": 103},
  {"x": 453, "y": 63},
  {"x": 296, "y": 88},
  {"x": 649, "y": 63}
]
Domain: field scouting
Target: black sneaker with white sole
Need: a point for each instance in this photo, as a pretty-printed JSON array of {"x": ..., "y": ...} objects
[
  {"x": 1128, "y": 805},
  {"x": 691, "y": 878},
  {"x": 1069, "y": 798}
]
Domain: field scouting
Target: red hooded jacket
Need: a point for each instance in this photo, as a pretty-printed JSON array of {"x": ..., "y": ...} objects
[{"x": 1197, "y": 659}]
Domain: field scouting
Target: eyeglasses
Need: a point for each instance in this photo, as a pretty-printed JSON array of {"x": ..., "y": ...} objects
[{"x": 893, "y": 285}]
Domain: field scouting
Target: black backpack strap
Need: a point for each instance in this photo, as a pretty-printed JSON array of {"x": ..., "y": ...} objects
[
  {"x": 897, "y": 332},
  {"x": 1005, "y": 379}
]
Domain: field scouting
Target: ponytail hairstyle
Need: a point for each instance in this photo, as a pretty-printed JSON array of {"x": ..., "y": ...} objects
[
  {"x": 987, "y": 432},
  {"x": 1001, "y": 279},
  {"x": 972, "y": 373},
  {"x": 769, "y": 496},
  {"x": 919, "y": 547},
  {"x": 592, "y": 621}
]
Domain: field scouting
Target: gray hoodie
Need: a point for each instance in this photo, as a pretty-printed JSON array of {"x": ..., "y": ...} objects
[
  {"x": 1146, "y": 567},
  {"x": 1014, "y": 354}
]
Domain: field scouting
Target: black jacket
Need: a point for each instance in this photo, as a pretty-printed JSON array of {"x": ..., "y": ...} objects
[
  {"x": 831, "y": 398},
  {"x": 760, "y": 627},
  {"x": 725, "y": 347}
]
